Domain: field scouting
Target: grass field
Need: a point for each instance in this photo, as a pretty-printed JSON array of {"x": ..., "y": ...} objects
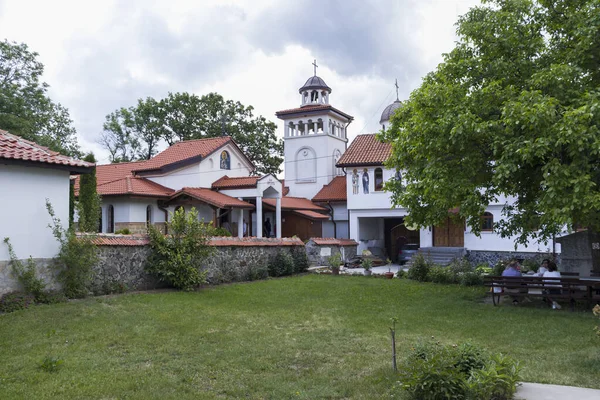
[{"x": 308, "y": 337}]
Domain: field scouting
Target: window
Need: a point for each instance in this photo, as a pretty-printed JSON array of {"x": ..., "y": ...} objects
[
  {"x": 487, "y": 222},
  {"x": 148, "y": 216},
  {"x": 378, "y": 179},
  {"x": 110, "y": 219}
]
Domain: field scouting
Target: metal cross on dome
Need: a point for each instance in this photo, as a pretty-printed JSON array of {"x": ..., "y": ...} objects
[
  {"x": 315, "y": 65},
  {"x": 397, "y": 90}
]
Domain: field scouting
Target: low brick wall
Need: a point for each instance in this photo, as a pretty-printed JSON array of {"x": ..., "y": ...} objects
[{"x": 319, "y": 250}]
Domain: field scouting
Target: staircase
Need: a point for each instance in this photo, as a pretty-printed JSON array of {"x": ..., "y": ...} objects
[{"x": 440, "y": 255}]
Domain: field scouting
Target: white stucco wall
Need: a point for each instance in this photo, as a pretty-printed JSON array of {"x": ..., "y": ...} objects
[
  {"x": 372, "y": 200},
  {"x": 23, "y": 215}
]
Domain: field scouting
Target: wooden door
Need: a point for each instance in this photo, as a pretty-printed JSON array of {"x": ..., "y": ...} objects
[{"x": 449, "y": 234}]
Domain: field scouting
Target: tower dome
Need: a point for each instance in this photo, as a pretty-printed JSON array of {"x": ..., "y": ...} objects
[
  {"x": 314, "y": 83},
  {"x": 315, "y": 91},
  {"x": 389, "y": 111}
]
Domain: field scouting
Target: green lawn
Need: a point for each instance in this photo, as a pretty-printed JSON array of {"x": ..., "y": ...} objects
[{"x": 305, "y": 337}]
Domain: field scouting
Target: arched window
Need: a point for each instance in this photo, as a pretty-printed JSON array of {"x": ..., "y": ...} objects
[
  {"x": 378, "y": 179},
  {"x": 225, "y": 160},
  {"x": 110, "y": 219},
  {"x": 148, "y": 216},
  {"x": 487, "y": 222}
]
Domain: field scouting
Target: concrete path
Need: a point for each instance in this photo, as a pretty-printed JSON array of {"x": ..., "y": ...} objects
[{"x": 538, "y": 391}]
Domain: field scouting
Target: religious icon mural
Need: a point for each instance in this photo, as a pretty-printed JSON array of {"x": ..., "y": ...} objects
[
  {"x": 225, "y": 160},
  {"x": 365, "y": 181},
  {"x": 355, "y": 181}
]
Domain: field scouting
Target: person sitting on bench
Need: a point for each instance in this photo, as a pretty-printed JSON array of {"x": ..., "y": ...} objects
[
  {"x": 552, "y": 273},
  {"x": 512, "y": 269}
]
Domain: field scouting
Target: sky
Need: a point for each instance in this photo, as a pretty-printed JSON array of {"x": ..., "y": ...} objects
[{"x": 103, "y": 55}]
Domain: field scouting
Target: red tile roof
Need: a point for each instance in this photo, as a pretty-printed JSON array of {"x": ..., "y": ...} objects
[
  {"x": 184, "y": 151},
  {"x": 235, "y": 183},
  {"x": 365, "y": 150},
  {"x": 311, "y": 214},
  {"x": 333, "y": 191},
  {"x": 286, "y": 189},
  {"x": 109, "y": 239},
  {"x": 111, "y": 172},
  {"x": 306, "y": 109},
  {"x": 254, "y": 241},
  {"x": 334, "y": 242},
  {"x": 131, "y": 185},
  {"x": 294, "y": 203},
  {"x": 213, "y": 198},
  {"x": 14, "y": 147}
]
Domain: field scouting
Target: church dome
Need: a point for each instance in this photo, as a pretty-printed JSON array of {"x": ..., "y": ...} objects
[
  {"x": 389, "y": 110},
  {"x": 314, "y": 82}
]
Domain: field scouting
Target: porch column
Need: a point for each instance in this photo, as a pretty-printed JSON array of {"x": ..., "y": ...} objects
[
  {"x": 241, "y": 223},
  {"x": 259, "y": 217},
  {"x": 278, "y": 218}
]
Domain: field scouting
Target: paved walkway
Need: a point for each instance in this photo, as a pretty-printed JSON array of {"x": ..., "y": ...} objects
[{"x": 538, "y": 391}]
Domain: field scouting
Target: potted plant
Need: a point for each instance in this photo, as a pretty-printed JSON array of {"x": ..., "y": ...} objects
[
  {"x": 334, "y": 264},
  {"x": 367, "y": 264},
  {"x": 389, "y": 274}
]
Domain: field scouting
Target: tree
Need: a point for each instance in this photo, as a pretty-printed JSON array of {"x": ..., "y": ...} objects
[
  {"x": 89, "y": 201},
  {"x": 25, "y": 108},
  {"x": 133, "y": 133},
  {"x": 513, "y": 111}
]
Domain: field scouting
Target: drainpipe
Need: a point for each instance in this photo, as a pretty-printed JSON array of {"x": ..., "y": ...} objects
[{"x": 163, "y": 209}]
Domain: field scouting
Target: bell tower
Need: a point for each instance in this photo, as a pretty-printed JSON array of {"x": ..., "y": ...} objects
[{"x": 315, "y": 137}]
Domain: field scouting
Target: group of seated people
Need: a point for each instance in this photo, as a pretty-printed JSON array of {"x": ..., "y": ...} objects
[{"x": 548, "y": 269}]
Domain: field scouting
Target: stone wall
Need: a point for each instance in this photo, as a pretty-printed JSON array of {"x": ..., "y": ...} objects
[
  {"x": 44, "y": 270},
  {"x": 492, "y": 257},
  {"x": 319, "y": 250}
]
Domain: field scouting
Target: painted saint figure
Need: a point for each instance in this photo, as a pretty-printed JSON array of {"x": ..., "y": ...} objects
[
  {"x": 355, "y": 181},
  {"x": 225, "y": 160},
  {"x": 365, "y": 181}
]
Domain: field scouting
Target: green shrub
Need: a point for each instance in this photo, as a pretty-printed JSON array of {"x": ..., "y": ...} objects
[
  {"x": 258, "y": 272},
  {"x": 367, "y": 264},
  {"x": 124, "y": 231},
  {"x": 500, "y": 266},
  {"x": 76, "y": 257},
  {"x": 435, "y": 371},
  {"x": 438, "y": 274},
  {"x": 15, "y": 301},
  {"x": 282, "y": 264},
  {"x": 220, "y": 231},
  {"x": 419, "y": 270},
  {"x": 461, "y": 265},
  {"x": 484, "y": 269},
  {"x": 51, "y": 297},
  {"x": 470, "y": 279},
  {"x": 301, "y": 263},
  {"x": 177, "y": 258},
  {"x": 26, "y": 274}
]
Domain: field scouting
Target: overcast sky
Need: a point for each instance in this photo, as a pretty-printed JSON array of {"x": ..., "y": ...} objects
[{"x": 102, "y": 55}]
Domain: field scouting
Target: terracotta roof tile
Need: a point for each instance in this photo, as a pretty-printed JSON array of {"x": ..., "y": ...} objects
[
  {"x": 294, "y": 203},
  {"x": 286, "y": 189},
  {"x": 182, "y": 151},
  {"x": 306, "y": 109},
  {"x": 131, "y": 185},
  {"x": 254, "y": 241},
  {"x": 213, "y": 198},
  {"x": 109, "y": 239},
  {"x": 334, "y": 242},
  {"x": 14, "y": 147},
  {"x": 235, "y": 183},
  {"x": 365, "y": 150},
  {"x": 333, "y": 191},
  {"x": 111, "y": 172},
  {"x": 311, "y": 214}
]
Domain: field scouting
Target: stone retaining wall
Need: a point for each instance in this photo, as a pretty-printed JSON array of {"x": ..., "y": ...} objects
[
  {"x": 319, "y": 250},
  {"x": 44, "y": 270},
  {"x": 492, "y": 257}
]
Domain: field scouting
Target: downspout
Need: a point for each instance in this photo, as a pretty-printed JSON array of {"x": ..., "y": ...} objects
[
  {"x": 332, "y": 220},
  {"x": 161, "y": 208},
  {"x": 347, "y": 209}
]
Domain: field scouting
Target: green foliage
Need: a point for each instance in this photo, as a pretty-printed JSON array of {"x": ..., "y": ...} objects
[
  {"x": 500, "y": 266},
  {"x": 51, "y": 364},
  {"x": 88, "y": 206},
  {"x": 220, "y": 231},
  {"x": 51, "y": 297},
  {"x": 596, "y": 312},
  {"x": 25, "y": 108},
  {"x": 282, "y": 264},
  {"x": 71, "y": 202},
  {"x": 177, "y": 258},
  {"x": 134, "y": 133},
  {"x": 124, "y": 231},
  {"x": 438, "y": 372},
  {"x": 335, "y": 261},
  {"x": 513, "y": 110},
  {"x": 110, "y": 286},
  {"x": 367, "y": 264},
  {"x": 26, "y": 274},
  {"x": 439, "y": 274},
  {"x": 301, "y": 262},
  {"x": 420, "y": 268},
  {"x": 75, "y": 259},
  {"x": 15, "y": 301}
]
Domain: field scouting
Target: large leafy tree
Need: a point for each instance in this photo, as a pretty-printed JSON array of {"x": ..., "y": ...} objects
[
  {"x": 134, "y": 133},
  {"x": 513, "y": 111},
  {"x": 89, "y": 203},
  {"x": 25, "y": 108}
]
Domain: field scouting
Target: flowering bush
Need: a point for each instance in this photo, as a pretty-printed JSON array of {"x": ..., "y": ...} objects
[{"x": 15, "y": 301}]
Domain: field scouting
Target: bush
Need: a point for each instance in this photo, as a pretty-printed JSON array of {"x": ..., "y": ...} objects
[
  {"x": 15, "y": 301},
  {"x": 51, "y": 297},
  {"x": 177, "y": 258},
  {"x": 124, "y": 231},
  {"x": 301, "y": 263},
  {"x": 419, "y": 270},
  {"x": 471, "y": 279},
  {"x": 500, "y": 266},
  {"x": 282, "y": 264},
  {"x": 26, "y": 274},
  {"x": 258, "y": 272},
  {"x": 439, "y": 274},
  {"x": 220, "y": 231},
  {"x": 435, "y": 371}
]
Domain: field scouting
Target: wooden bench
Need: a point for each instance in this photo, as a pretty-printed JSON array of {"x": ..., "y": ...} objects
[{"x": 567, "y": 288}]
